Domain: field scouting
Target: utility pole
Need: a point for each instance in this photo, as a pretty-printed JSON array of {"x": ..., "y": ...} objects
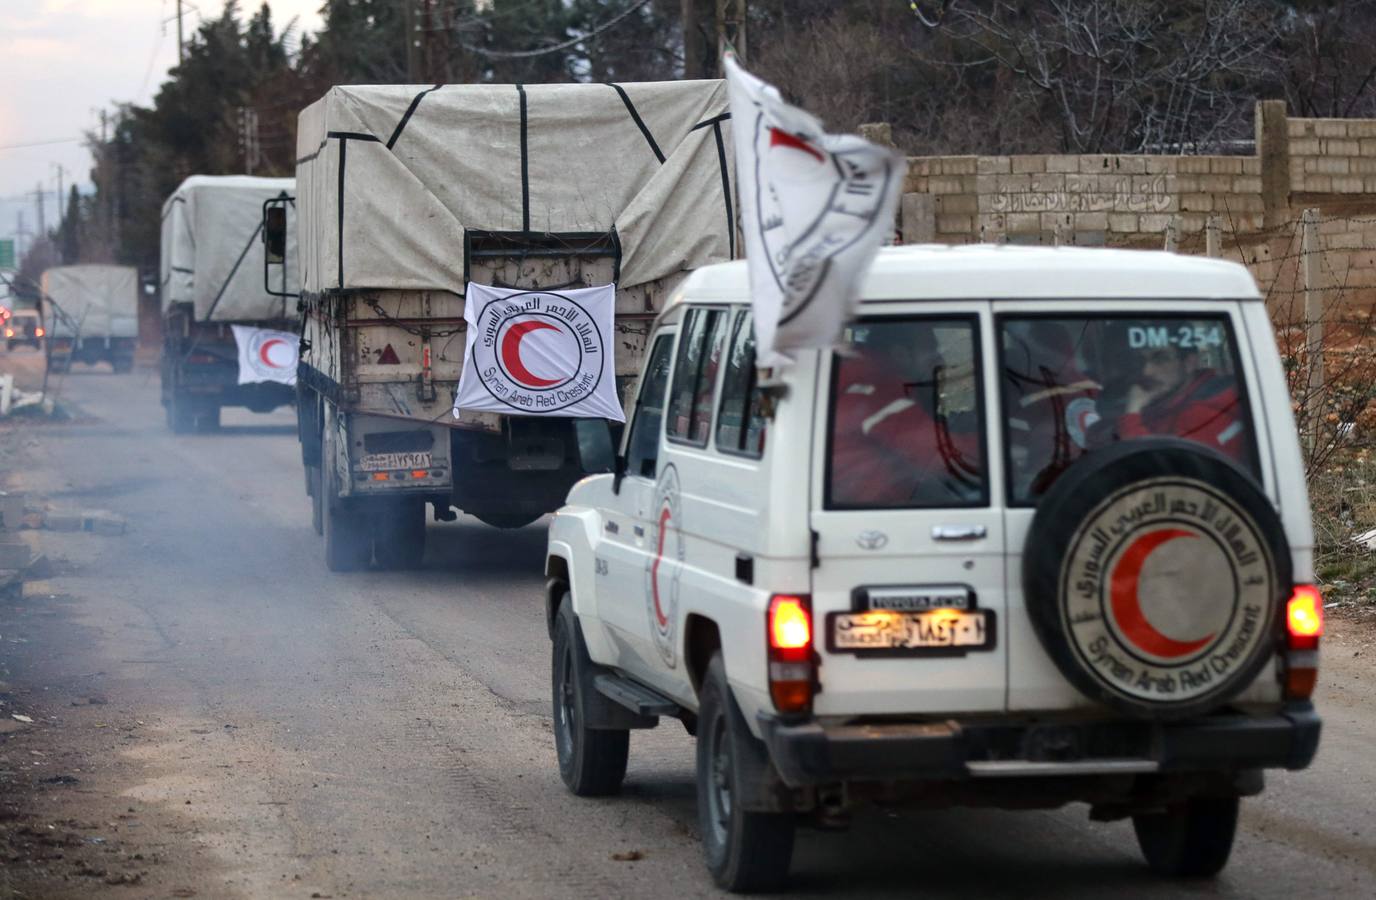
[
  {"x": 181, "y": 52},
  {"x": 61, "y": 197},
  {"x": 409, "y": 23},
  {"x": 730, "y": 31},
  {"x": 248, "y": 138},
  {"x": 694, "y": 16},
  {"x": 38, "y": 203}
]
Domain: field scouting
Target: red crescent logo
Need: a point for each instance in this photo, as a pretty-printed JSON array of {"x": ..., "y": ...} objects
[
  {"x": 665, "y": 516},
  {"x": 1127, "y": 606},
  {"x": 263, "y": 352},
  {"x": 778, "y": 138},
  {"x": 511, "y": 354}
]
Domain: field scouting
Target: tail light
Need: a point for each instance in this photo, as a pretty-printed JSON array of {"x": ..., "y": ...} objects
[
  {"x": 1303, "y": 628},
  {"x": 39, "y": 332},
  {"x": 791, "y": 666},
  {"x": 9, "y": 332}
]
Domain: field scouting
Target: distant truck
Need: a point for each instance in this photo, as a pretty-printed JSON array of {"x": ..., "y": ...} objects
[
  {"x": 212, "y": 276},
  {"x": 408, "y": 193},
  {"x": 90, "y": 313}
]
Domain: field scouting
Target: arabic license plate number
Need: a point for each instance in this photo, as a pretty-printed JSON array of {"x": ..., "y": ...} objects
[
  {"x": 381, "y": 462},
  {"x": 892, "y": 630}
]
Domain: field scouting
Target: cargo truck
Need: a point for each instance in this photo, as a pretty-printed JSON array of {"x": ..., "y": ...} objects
[
  {"x": 406, "y": 194},
  {"x": 90, "y": 313},
  {"x": 213, "y": 277}
]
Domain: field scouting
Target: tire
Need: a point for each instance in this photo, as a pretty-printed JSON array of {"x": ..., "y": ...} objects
[
  {"x": 122, "y": 366},
  {"x": 1141, "y": 628},
  {"x": 592, "y": 762},
  {"x": 1192, "y": 839},
  {"x": 347, "y": 531},
  {"x": 181, "y": 417},
  {"x": 506, "y": 520},
  {"x": 317, "y": 499},
  {"x": 400, "y": 539},
  {"x": 208, "y": 418},
  {"x": 745, "y": 851}
]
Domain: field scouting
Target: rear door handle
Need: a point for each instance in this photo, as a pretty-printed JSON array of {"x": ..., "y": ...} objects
[
  {"x": 639, "y": 531},
  {"x": 959, "y": 532}
]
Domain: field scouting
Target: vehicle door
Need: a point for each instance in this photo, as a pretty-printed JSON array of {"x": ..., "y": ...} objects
[
  {"x": 1072, "y": 381},
  {"x": 620, "y": 562},
  {"x": 908, "y": 591}
]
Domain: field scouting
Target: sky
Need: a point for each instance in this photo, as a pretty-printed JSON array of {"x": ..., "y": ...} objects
[{"x": 62, "y": 61}]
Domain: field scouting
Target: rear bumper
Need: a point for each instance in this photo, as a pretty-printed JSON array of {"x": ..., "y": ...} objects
[{"x": 810, "y": 753}]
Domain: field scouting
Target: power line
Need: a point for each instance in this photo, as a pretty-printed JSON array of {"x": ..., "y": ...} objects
[
  {"x": 71, "y": 140},
  {"x": 572, "y": 42}
]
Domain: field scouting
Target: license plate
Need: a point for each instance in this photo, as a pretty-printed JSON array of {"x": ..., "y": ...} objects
[
  {"x": 381, "y": 462},
  {"x": 893, "y": 631}
]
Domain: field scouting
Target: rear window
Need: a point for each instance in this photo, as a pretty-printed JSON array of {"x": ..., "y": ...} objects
[
  {"x": 1073, "y": 383},
  {"x": 906, "y": 417}
]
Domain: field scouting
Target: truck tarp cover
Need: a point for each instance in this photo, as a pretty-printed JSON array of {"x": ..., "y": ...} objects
[
  {"x": 103, "y": 301},
  {"x": 212, "y": 248},
  {"x": 391, "y": 176}
]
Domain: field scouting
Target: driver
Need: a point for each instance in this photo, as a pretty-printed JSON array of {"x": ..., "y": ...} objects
[{"x": 1175, "y": 396}]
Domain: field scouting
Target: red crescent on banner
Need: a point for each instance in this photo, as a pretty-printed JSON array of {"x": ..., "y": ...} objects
[
  {"x": 665, "y": 516},
  {"x": 779, "y": 138},
  {"x": 263, "y": 352},
  {"x": 1127, "y": 606},
  {"x": 511, "y": 354}
]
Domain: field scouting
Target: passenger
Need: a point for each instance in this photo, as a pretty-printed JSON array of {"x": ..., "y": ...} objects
[
  {"x": 890, "y": 446},
  {"x": 1052, "y": 403},
  {"x": 1174, "y": 396}
]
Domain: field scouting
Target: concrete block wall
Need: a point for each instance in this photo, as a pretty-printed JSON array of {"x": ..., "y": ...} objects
[{"x": 1332, "y": 156}]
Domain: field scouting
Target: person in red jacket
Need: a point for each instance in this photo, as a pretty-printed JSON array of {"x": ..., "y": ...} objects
[
  {"x": 1174, "y": 397},
  {"x": 890, "y": 445}
]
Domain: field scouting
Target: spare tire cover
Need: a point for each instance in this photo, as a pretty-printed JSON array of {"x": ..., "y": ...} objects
[{"x": 1155, "y": 574}]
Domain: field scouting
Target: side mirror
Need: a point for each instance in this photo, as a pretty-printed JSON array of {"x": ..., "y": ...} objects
[
  {"x": 274, "y": 231},
  {"x": 595, "y": 453}
]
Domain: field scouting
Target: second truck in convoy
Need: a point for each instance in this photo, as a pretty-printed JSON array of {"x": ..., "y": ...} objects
[
  {"x": 212, "y": 277},
  {"x": 405, "y": 195},
  {"x": 91, "y": 315}
]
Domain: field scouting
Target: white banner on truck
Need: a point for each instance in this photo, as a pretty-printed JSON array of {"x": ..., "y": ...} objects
[
  {"x": 815, "y": 208},
  {"x": 539, "y": 353},
  {"x": 266, "y": 355}
]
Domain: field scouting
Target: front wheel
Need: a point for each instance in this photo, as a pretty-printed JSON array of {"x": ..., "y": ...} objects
[
  {"x": 746, "y": 851},
  {"x": 1192, "y": 839},
  {"x": 592, "y": 762}
]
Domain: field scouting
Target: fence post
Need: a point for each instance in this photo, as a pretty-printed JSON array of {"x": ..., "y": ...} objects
[
  {"x": 1310, "y": 262},
  {"x": 1172, "y": 234},
  {"x": 1213, "y": 237}
]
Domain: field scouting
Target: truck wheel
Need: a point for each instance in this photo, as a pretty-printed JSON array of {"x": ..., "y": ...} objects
[
  {"x": 317, "y": 499},
  {"x": 208, "y": 418},
  {"x": 181, "y": 416},
  {"x": 400, "y": 540},
  {"x": 1191, "y": 839},
  {"x": 348, "y": 537},
  {"x": 746, "y": 851},
  {"x": 122, "y": 366},
  {"x": 592, "y": 762}
]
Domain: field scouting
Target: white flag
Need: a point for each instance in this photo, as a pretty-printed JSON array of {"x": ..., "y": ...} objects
[
  {"x": 266, "y": 355},
  {"x": 540, "y": 353},
  {"x": 815, "y": 209}
]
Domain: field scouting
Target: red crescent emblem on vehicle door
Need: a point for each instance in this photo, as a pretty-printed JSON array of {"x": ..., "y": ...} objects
[
  {"x": 1127, "y": 605},
  {"x": 511, "y": 354},
  {"x": 665, "y": 517}
]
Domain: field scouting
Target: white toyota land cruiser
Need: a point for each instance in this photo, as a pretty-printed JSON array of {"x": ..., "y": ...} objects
[{"x": 1038, "y": 534}]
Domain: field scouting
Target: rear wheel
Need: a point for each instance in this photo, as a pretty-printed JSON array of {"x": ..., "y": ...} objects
[
  {"x": 181, "y": 416},
  {"x": 746, "y": 851},
  {"x": 208, "y": 417},
  {"x": 1192, "y": 839},
  {"x": 506, "y": 520},
  {"x": 122, "y": 365},
  {"x": 348, "y": 533},
  {"x": 400, "y": 540},
  {"x": 317, "y": 499},
  {"x": 592, "y": 762}
]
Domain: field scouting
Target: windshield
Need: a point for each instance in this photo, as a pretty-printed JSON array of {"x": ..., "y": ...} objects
[{"x": 1073, "y": 383}]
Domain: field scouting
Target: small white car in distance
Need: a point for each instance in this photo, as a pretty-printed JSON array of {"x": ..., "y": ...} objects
[{"x": 1037, "y": 533}]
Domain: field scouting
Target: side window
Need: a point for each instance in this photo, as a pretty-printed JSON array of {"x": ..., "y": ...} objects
[
  {"x": 642, "y": 449},
  {"x": 695, "y": 376},
  {"x": 906, "y": 422},
  {"x": 740, "y": 423}
]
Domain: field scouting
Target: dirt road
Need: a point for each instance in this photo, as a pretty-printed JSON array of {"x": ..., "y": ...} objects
[{"x": 216, "y": 715}]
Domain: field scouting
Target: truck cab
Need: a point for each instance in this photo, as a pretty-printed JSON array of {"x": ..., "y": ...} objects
[{"x": 1035, "y": 533}]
